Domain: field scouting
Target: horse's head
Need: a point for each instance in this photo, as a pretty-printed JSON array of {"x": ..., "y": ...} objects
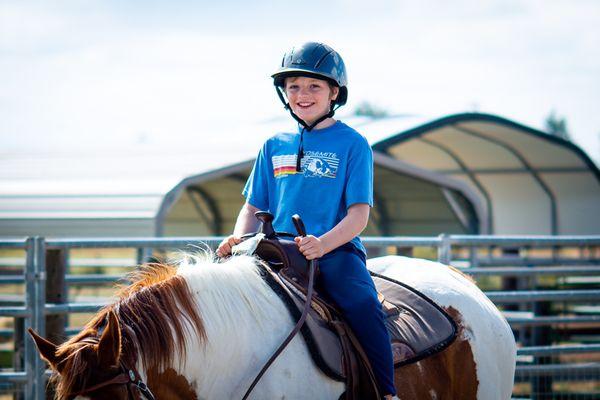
[
  {"x": 147, "y": 328},
  {"x": 87, "y": 365}
]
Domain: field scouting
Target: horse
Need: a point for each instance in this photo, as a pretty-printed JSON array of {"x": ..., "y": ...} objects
[{"x": 201, "y": 328}]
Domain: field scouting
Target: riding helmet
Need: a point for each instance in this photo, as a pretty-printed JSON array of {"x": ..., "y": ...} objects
[{"x": 315, "y": 60}]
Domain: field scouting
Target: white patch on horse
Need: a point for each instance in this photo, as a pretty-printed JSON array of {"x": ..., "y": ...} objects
[
  {"x": 232, "y": 294},
  {"x": 433, "y": 394},
  {"x": 488, "y": 332}
]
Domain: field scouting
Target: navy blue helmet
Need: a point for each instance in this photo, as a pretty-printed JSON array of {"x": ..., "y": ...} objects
[{"x": 314, "y": 60}]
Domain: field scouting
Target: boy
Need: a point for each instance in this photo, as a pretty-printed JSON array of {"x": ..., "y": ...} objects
[{"x": 324, "y": 173}]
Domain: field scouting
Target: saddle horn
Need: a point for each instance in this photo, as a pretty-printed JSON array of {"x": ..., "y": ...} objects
[
  {"x": 299, "y": 225},
  {"x": 266, "y": 220}
]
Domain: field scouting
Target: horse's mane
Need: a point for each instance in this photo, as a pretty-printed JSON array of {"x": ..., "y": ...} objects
[{"x": 155, "y": 312}]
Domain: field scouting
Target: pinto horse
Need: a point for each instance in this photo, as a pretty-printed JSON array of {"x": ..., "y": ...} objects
[{"x": 202, "y": 330}]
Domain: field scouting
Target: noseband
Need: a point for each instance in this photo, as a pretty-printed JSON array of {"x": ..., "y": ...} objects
[
  {"x": 130, "y": 378},
  {"x": 127, "y": 376}
]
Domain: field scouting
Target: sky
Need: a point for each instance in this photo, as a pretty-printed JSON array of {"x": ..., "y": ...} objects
[{"x": 108, "y": 74}]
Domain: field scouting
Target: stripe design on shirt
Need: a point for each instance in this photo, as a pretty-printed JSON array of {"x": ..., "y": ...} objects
[
  {"x": 284, "y": 165},
  {"x": 313, "y": 165}
]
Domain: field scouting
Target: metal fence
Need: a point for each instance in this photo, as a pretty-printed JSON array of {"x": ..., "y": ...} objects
[{"x": 519, "y": 265}]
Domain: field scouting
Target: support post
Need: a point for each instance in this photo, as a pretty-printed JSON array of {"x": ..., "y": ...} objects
[
  {"x": 541, "y": 386},
  {"x": 35, "y": 302},
  {"x": 512, "y": 284},
  {"x": 444, "y": 250},
  {"x": 56, "y": 292},
  {"x": 19, "y": 337},
  {"x": 144, "y": 254}
]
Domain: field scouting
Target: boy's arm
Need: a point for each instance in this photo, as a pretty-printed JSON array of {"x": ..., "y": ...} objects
[
  {"x": 246, "y": 222},
  {"x": 352, "y": 225}
]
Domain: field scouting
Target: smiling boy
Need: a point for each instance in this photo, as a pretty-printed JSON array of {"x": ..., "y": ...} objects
[{"x": 324, "y": 173}]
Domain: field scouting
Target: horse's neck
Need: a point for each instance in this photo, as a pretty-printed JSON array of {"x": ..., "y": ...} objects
[{"x": 244, "y": 322}]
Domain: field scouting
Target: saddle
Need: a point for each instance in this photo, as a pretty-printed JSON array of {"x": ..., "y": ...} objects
[{"x": 417, "y": 326}]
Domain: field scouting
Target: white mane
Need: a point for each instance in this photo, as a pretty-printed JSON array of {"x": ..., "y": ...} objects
[
  {"x": 244, "y": 321},
  {"x": 228, "y": 291}
]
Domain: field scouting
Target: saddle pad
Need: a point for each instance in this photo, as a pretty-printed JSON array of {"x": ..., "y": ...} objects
[{"x": 418, "y": 327}]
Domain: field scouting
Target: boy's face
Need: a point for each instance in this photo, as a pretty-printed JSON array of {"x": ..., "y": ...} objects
[{"x": 309, "y": 98}]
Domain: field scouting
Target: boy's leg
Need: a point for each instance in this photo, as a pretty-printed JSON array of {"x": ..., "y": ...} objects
[{"x": 344, "y": 276}]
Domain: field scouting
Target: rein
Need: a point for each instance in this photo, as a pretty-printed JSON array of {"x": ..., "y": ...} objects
[
  {"x": 309, "y": 295},
  {"x": 288, "y": 339}
]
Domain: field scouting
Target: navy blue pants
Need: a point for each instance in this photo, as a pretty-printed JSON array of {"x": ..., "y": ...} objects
[{"x": 345, "y": 280}]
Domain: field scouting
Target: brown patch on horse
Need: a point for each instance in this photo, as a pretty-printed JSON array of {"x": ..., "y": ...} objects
[
  {"x": 450, "y": 374},
  {"x": 154, "y": 313},
  {"x": 170, "y": 385}
]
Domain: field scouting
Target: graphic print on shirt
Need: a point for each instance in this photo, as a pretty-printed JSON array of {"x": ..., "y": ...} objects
[
  {"x": 315, "y": 164},
  {"x": 284, "y": 165}
]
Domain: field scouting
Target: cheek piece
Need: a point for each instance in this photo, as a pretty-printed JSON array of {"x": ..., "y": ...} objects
[{"x": 305, "y": 126}]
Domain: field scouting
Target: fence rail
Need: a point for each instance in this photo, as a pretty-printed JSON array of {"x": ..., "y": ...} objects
[{"x": 476, "y": 254}]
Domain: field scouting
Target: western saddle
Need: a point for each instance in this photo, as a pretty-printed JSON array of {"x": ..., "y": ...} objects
[{"x": 417, "y": 326}]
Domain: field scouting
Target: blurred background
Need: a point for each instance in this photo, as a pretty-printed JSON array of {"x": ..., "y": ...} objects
[
  {"x": 128, "y": 73},
  {"x": 122, "y": 119}
]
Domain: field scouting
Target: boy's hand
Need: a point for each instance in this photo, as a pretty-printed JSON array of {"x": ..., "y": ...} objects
[
  {"x": 225, "y": 246},
  {"x": 310, "y": 246}
]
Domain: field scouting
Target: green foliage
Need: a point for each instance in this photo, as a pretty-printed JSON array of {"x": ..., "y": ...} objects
[
  {"x": 557, "y": 126},
  {"x": 366, "y": 109}
]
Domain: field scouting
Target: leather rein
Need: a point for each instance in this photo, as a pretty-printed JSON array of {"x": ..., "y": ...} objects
[
  {"x": 293, "y": 333},
  {"x": 309, "y": 295}
]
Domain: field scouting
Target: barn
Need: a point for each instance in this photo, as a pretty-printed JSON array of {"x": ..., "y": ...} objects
[{"x": 468, "y": 173}]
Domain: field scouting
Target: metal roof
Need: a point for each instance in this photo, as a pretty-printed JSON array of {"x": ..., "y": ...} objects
[
  {"x": 431, "y": 175},
  {"x": 531, "y": 182}
]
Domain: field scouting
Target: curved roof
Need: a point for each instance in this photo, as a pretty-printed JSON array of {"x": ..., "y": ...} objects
[
  {"x": 463, "y": 173},
  {"x": 531, "y": 182},
  {"x": 408, "y": 200}
]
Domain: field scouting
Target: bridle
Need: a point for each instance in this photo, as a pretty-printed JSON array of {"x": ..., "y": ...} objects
[{"x": 127, "y": 376}]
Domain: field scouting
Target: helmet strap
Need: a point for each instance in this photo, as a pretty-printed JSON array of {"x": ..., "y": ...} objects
[
  {"x": 305, "y": 126},
  {"x": 332, "y": 109},
  {"x": 300, "y": 155},
  {"x": 309, "y": 128}
]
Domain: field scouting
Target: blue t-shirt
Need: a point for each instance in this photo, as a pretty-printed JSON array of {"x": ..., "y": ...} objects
[{"x": 337, "y": 172}]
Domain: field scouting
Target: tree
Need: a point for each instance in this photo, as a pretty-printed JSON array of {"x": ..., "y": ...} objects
[
  {"x": 366, "y": 109},
  {"x": 557, "y": 126}
]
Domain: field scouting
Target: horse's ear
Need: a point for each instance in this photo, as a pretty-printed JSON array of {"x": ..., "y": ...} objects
[
  {"x": 46, "y": 348},
  {"x": 109, "y": 347}
]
